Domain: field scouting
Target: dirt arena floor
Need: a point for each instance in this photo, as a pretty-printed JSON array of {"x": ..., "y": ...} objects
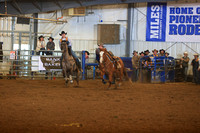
[{"x": 47, "y": 106}]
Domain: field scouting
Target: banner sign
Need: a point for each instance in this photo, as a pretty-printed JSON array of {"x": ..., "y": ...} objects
[
  {"x": 51, "y": 62},
  {"x": 173, "y": 22},
  {"x": 156, "y": 22}
]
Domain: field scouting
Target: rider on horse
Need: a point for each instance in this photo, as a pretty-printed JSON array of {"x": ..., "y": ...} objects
[
  {"x": 113, "y": 58},
  {"x": 71, "y": 52}
]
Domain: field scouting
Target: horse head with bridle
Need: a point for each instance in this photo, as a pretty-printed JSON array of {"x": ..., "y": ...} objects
[
  {"x": 69, "y": 66},
  {"x": 112, "y": 66}
]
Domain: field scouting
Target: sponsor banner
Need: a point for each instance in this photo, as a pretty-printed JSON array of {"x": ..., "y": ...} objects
[
  {"x": 183, "y": 23},
  {"x": 179, "y": 22},
  {"x": 156, "y": 22},
  {"x": 51, "y": 62}
]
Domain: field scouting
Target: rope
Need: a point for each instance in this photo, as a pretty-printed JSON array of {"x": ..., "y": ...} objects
[
  {"x": 171, "y": 46},
  {"x": 190, "y": 48}
]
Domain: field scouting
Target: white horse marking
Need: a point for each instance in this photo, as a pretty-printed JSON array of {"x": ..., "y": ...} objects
[
  {"x": 70, "y": 78},
  {"x": 101, "y": 56}
]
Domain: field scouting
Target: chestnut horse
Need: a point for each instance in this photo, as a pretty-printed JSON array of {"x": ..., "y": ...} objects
[
  {"x": 114, "y": 68},
  {"x": 68, "y": 64}
]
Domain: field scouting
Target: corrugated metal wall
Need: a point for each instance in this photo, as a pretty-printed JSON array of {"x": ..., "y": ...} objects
[
  {"x": 5, "y": 24},
  {"x": 139, "y": 34},
  {"x": 83, "y": 30}
]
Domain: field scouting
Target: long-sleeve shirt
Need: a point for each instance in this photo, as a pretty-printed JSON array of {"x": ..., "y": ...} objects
[
  {"x": 40, "y": 44},
  {"x": 64, "y": 39},
  {"x": 135, "y": 61},
  {"x": 51, "y": 45},
  {"x": 196, "y": 63},
  {"x": 185, "y": 61}
]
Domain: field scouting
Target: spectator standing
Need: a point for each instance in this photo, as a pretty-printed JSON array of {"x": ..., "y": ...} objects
[
  {"x": 135, "y": 63},
  {"x": 166, "y": 54},
  {"x": 184, "y": 65},
  {"x": 196, "y": 69},
  {"x": 162, "y": 52}
]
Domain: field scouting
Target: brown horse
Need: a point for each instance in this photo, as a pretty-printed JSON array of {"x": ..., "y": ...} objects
[
  {"x": 114, "y": 68},
  {"x": 68, "y": 64}
]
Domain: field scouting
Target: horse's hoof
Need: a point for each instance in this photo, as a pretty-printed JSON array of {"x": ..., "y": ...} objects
[{"x": 119, "y": 84}]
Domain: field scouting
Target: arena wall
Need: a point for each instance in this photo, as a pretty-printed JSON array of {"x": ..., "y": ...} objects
[{"x": 83, "y": 30}]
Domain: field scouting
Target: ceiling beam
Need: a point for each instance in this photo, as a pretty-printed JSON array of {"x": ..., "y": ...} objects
[
  {"x": 45, "y": 19},
  {"x": 37, "y": 5},
  {"x": 57, "y": 3},
  {"x": 16, "y": 6},
  {"x": 79, "y": 2}
]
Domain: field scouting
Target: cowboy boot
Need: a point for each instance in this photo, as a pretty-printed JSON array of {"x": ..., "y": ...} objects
[{"x": 78, "y": 64}]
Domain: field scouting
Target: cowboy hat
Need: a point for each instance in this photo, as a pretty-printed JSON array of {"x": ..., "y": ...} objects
[
  {"x": 147, "y": 51},
  {"x": 154, "y": 50},
  {"x": 135, "y": 51},
  {"x": 162, "y": 50},
  {"x": 196, "y": 54},
  {"x": 51, "y": 38},
  {"x": 141, "y": 53},
  {"x": 63, "y": 32},
  {"x": 40, "y": 37},
  {"x": 87, "y": 52},
  {"x": 185, "y": 52},
  {"x": 101, "y": 44},
  {"x": 166, "y": 53}
]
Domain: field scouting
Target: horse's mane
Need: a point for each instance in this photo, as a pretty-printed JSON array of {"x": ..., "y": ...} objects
[
  {"x": 103, "y": 49},
  {"x": 64, "y": 43}
]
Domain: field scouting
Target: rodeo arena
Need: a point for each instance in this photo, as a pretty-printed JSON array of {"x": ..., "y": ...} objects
[{"x": 99, "y": 66}]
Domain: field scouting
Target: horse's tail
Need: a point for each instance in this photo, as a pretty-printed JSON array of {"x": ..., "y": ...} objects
[
  {"x": 125, "y": 73},
  {"x": 126, "y": 77}
]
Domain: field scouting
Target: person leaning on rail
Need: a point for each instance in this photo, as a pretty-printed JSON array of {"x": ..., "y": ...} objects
[
  {"x": 161, "y": 53},
  {"x": 166, "y": 54},
  {"x": 146, "y": 52},
  {"x": 50, "y": 46},
  {"x": 40, "y": 45}
]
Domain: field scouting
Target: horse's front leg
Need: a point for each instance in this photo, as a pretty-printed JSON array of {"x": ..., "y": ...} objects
[
  {"x": 66, "y": 77},
  {"x": 120, "y": 77},
  {"x": 110, "y": 79},
  {"x": 77, "y": 77},
  {"x": 63, "y": 70},
  {"x": 70, "y": 77},
  {"x": 102, "y": 77}
]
